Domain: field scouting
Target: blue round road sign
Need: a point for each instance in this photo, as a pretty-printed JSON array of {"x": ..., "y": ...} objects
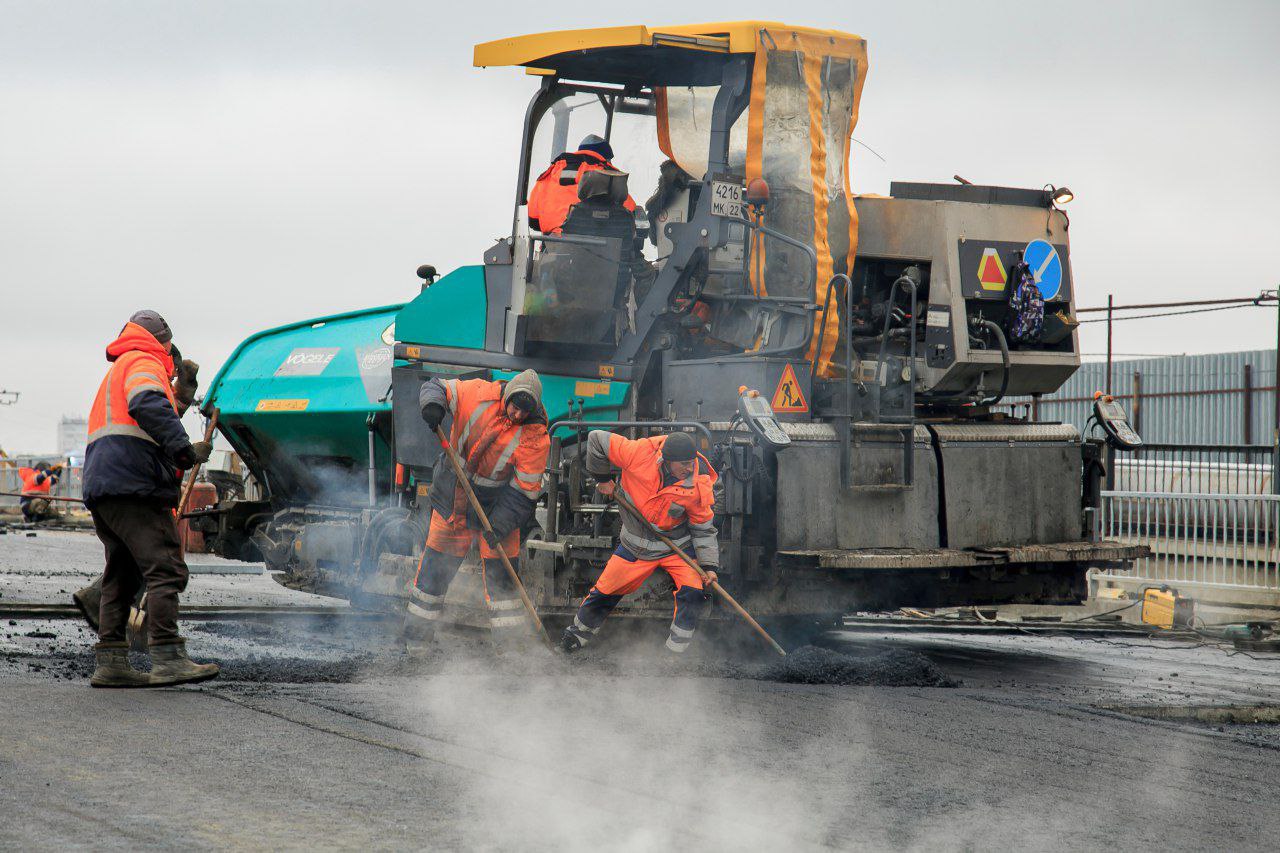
[{"x": 1045, "y": 265}]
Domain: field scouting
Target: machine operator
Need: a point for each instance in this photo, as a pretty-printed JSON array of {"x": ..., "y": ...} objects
[
  {"x": 672, "y": 485},
  {"x": 500, "y": 432},
  {"x": 556, "y": 189}
]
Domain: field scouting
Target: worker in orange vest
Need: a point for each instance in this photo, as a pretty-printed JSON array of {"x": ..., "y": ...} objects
[
  {"x": 36, "y": 485},
  {"x": 556, "y": 189},
  {"x": 500, "y": 432},
  {"x": 133, "y": 467},
  {"x": 672, "y": 485}
]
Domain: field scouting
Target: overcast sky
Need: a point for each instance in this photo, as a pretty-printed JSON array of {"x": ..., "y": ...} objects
[{"x": 236, "y": 165}]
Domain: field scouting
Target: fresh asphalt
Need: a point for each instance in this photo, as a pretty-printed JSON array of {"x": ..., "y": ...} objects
[{"x": 322, "y": 734}]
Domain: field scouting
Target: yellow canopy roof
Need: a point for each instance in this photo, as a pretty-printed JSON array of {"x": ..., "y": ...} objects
[{"x": 605, "y": 52}]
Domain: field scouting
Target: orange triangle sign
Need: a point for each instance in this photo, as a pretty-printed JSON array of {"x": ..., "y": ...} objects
[
  {"x": 991, "y": 272},
  {"x": 788, "y": 397}
]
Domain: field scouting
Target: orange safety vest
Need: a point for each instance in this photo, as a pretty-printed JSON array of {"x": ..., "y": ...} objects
[
  {"x": 29, "y": 484},
  {"x": 496, "y": 451},
  {"x": 141, "y": 364},
  {"x": 665, "y": 506},
  {"x": 556, "y": 190}
]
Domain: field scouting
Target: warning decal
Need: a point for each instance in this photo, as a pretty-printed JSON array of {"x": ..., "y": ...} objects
[
  {"x": 991, "y": 274},
  {"x": 788, "y": 397}
]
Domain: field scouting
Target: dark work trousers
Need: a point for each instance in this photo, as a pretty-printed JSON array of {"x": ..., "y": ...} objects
[
  {"x": 438, "y": 572},
  {"x": 142, "y": 548}
]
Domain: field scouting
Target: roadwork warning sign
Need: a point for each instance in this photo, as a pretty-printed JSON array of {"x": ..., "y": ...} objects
[{"x": 788, "y": 397}]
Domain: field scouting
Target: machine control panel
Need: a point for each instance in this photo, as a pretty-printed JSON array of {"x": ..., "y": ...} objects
[
  {"x": 1115, "y": 423},
  {"x": 758, "y": 415}
]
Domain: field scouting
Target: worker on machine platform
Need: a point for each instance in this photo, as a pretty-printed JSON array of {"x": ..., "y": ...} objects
[
  {"x": 556, "y": 189},
  {"x": 132, "y": 475},
  {"x": 36, "y": 485},
  {"x": 500, "y": 432},
  {"x": 672, "y": 485}
]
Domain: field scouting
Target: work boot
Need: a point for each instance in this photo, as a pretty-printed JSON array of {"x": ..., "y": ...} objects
[
  {"x": 417, "y": 635},
  {"x": 569, "y": 642},
  {"x": 170, "y": 665},
  {"x": 113, "y": 670},
  {"x": 87, "y": 601}
]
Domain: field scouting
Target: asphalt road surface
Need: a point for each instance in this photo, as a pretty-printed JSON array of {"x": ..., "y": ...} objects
[{"x": 321, "y": 734}]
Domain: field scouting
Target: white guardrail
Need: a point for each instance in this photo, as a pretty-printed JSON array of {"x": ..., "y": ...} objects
[{"x": 1227, "y": 539}]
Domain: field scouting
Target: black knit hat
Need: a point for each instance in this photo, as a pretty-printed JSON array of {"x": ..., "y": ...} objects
[{"x": 679, "y": 448}]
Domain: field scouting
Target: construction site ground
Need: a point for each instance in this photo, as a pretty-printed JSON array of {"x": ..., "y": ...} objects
[{"x": 320, "y": 733}]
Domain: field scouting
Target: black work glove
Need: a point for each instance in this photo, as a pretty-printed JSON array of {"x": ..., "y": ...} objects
[
  {"x": 433, "y": 415},
  {"x": 184, "y": 387},
  {"x": 491, "y": 539}
]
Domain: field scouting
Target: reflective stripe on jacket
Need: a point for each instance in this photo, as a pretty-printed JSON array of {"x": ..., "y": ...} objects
[
  {"x": 135, "y": 435},
  {"x": 505, "y": 461},
  {"x": 556, "y": 190},
  {"x": 682, "y": 509}
]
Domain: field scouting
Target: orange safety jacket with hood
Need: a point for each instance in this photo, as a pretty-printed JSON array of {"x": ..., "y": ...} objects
[
  {"x": 137, "y": 444},
  {"x": 504, "y": 461},
  {"x": 556, "y": 189},
  {"x": 681, "y": 509}
]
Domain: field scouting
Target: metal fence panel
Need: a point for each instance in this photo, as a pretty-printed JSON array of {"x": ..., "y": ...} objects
[
  {"x": 1218, "y": 398},
  {"x": 1225, "y": 539}
]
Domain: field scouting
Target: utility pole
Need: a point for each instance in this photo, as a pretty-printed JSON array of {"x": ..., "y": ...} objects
[{"x": 1110, "y": 306}]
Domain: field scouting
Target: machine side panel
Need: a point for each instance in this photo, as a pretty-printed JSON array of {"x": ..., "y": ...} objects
[
  {"x": 813, "y": 513},
  {"x": 1010, "y": 492}
]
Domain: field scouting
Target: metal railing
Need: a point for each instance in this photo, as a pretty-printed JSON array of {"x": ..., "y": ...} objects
[
  {"x": 1238, "y": 469},
  {"x": 1226, "y": 539},
  {"x": 68, "y": 485}
]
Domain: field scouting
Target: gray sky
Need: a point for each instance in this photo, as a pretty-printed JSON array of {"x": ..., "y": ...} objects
[{"x": 236, "y": 165}]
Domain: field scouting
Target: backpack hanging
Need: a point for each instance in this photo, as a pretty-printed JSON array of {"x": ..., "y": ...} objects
[{"x": 1026, "y": 306}]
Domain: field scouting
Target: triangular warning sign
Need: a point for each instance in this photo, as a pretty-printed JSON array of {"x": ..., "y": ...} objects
[
  {"x": 991, "y": 274},
  {"x": 788, "y": 397}
]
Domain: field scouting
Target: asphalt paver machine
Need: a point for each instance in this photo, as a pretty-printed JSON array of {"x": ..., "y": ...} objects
[{"x": 845, "y": 362}]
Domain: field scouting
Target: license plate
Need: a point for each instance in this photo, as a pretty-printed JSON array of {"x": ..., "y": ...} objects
[{"x": 726, "y": 199}]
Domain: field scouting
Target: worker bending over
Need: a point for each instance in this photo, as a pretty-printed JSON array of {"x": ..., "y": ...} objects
[
  {"x": 500, "y": 432},
  {"x": 556, "y": 189},
  {"x": 37, "y": 483},
  {"x": 672, "y": 485},
  {"x": 132, "y": 476}
]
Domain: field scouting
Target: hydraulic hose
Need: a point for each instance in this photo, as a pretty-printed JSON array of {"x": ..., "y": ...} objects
[{"x": 995, "y": 329}]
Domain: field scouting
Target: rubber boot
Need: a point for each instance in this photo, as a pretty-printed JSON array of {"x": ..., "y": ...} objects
[
  {"x": 170, "y": 665},
  {"x": 113, "y": 668}
]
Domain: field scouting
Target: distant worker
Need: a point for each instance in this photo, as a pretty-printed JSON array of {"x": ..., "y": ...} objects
[
  {"x": 672, "y": 485},
  {"x": 132, "y": 476},
  {"x": 556, "y": 189},
  {"x": 500, "y": 432},
  {"x": 37, "y": 483}
]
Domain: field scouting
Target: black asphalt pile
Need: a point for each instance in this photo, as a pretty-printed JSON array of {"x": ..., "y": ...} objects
[
  {"x": 275, "y": 669},
  {"x": 893, "y": 668}
]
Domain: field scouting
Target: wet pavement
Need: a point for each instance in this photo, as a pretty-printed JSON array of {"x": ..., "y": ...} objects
[{"x": 322, "y": 732}]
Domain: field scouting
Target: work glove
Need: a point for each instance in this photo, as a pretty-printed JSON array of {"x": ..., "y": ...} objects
[
  {"x": 491, "y": 539},
  {"x": 184, "y": 387},
  {"x": 187, "y": 370},
  {"x": 200, "y": 451},
  {"x": 433, "y": 415}
]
